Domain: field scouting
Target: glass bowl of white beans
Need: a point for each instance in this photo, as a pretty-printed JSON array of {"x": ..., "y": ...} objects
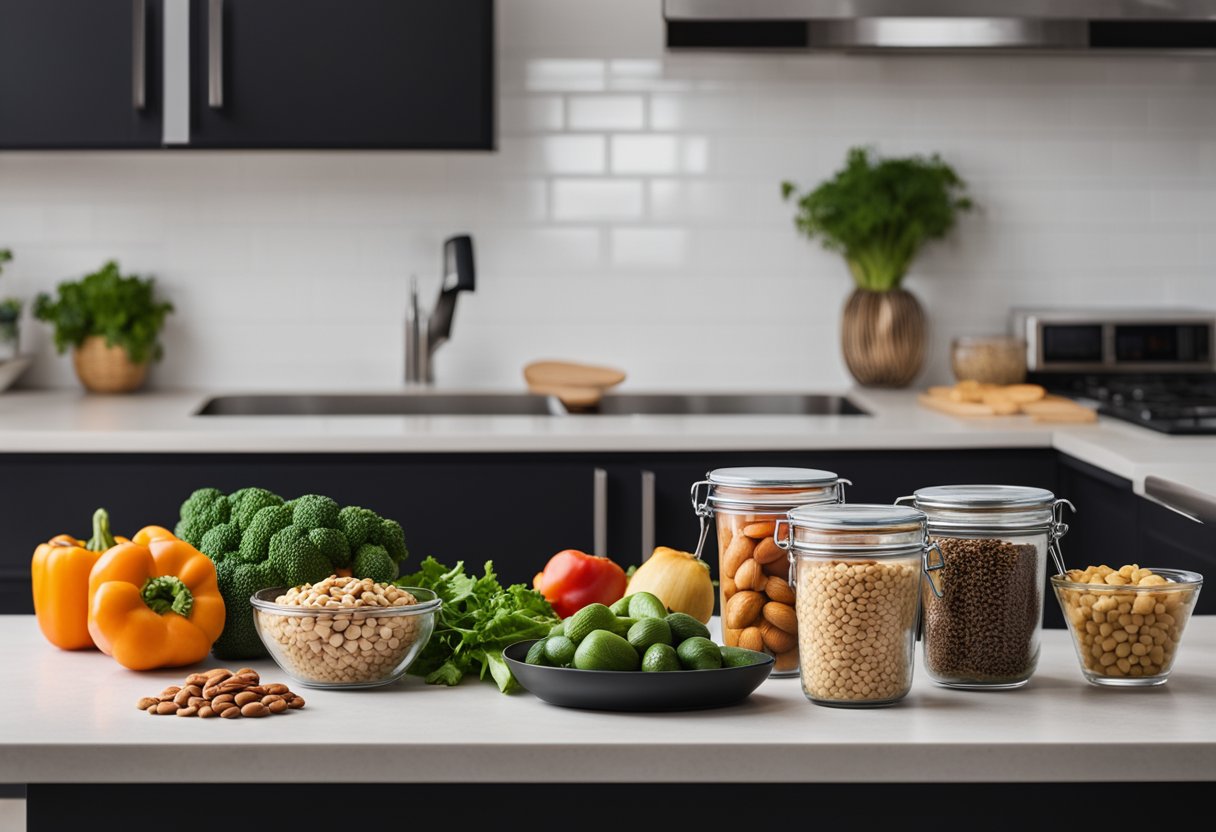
[{"x": 366, "y": 637}]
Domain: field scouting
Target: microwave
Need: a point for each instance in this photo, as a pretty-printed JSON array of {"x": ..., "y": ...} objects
[{"x": 1116, "y": 340}]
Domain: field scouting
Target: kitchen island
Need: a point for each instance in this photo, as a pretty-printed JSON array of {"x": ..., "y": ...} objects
[{"x": 71, "y": 719}]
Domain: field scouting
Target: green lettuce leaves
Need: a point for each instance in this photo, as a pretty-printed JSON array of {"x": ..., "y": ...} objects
[{"x": 478, "y": 619}]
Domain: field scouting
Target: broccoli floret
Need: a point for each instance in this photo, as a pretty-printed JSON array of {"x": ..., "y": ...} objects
[
  {"x": 240, "y": 638},
  {"x": 372, "y": 561},
  {"x": 255, "y": 542},
  {"x": 312, "y": 511},
  {"x": 247, "y": 502},
  {"x": 203, "y": 510},
  {"x": 333, "y": 545},
  {"x": 226, "y": 537},
  {"x": 392, "y": 538},
  {"x": 360, "y": 525},
  {"x": 296, "y": 557}
]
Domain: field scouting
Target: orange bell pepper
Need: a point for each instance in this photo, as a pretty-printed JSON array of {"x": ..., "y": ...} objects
[
  {"x": 60, "y": 571},
  {"x": 154, "y": 602}
]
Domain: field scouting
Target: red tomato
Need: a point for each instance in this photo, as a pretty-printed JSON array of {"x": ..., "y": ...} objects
[{"x": 572, "y": 579}]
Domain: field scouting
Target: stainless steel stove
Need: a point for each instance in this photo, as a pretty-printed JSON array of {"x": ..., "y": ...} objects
[{"x": 1156, "y": 369}]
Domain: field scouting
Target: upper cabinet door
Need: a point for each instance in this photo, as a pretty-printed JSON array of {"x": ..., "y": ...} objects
[
  {"x": 342, "y": 74},
  {"x": 79, "y": 73}
]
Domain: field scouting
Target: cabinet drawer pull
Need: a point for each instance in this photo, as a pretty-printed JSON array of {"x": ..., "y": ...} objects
[
  {"x": 648, "y": 515},
  {"x": 215, "y": 54},
  {"x": 139, "y": 54},
  {"x": 599, "y": 521}
]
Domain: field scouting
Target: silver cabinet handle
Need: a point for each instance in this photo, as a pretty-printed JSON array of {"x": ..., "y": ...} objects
[
  {"x": 139, "y": 54},
  {"x": 648, "y": 512},
  {"x": 600, "y": 512},
  {"x": 215, "y": 54}
]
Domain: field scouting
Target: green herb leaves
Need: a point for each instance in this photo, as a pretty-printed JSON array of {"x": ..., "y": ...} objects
[
  {"x": 478, "y": 619},
  {"x": 122, "y": 309},
  {"x": 878, "y": 213}
]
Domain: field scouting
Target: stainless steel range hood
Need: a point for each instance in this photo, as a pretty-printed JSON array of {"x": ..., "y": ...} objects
[{"x": 1053, "y": 25}]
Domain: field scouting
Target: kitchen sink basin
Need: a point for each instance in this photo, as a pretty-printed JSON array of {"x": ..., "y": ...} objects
[{"x": 522, "y": 404}]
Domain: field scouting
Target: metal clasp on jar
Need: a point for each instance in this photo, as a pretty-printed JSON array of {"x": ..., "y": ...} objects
[
  {"x": 1058, "y": 529},
  {"x": 786, "y": 542},
  {"x": 701, "y": 508}
]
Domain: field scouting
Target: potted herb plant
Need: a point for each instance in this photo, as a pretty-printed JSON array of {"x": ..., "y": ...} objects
[
  {"x": 10, "y": 316},
  {"x": 878, "y": 213},
  {"x": 111, "y": 322}
]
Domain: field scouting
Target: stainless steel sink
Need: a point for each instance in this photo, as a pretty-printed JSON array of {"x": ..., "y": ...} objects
[{"x": 522, "y": 404}]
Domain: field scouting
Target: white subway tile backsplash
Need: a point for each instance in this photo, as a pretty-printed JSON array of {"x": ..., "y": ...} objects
[
  {"x": 597, "y": 199},
  {"x": 664, "y": 248},
  {"x": 632, "y": 207},
  {"x": 607, "y": 112}
]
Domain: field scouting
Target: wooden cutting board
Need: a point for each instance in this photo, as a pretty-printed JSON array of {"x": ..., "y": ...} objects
[
  {"x": 577, "y": 385},
  {"x": 1047, "y": 409}
]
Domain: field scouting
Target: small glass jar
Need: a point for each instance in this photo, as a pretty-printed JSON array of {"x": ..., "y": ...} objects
[
  {"x": 997, "y": 359},
  {"x": 984, "y": 630},
  {"x": 857, "y": 582},
  {"x": 757, "y": 601}
]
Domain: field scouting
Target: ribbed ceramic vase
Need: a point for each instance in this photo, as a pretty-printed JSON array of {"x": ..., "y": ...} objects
[
  {"x": 105, "y": 369},
  {"x": 883, "y": 337}
]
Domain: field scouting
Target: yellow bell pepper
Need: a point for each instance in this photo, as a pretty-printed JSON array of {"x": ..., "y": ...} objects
[
  {"x": 60, "y": 578},
  {"x": 154, "y": 602}
]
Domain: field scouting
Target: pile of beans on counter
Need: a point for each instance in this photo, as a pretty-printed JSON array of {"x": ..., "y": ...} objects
[
  {"x": 220, "y": 692},
  {"x": 757, "y": 600},
  {"x": 1126, "y": 633},
  {"x": 857, "y": 624},
  {"x": 348, "y": 641}
]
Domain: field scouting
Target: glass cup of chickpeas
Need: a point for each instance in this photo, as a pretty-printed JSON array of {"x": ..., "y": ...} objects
[{"x": 1127, "y": 623}]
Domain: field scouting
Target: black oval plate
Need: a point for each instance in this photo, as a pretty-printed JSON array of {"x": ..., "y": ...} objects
[{"x": 608, "y": 690}]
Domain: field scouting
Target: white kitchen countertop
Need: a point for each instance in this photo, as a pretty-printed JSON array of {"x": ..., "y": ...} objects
[
  {"x": 74, "y": 422},
  {"x": 71, "y": 717}
]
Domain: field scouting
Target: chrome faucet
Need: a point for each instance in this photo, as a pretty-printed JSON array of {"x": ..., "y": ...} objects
[{"x": 426, "y": 333}]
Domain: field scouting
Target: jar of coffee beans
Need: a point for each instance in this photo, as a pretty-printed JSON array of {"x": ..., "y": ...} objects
[
  {"x": 753, "y": 573},
  {"x": 857, "y": 576},
  {"x": 982, "y": 630}
]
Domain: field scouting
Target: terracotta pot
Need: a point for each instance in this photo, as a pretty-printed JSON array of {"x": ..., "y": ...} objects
[
  {"x": 103, "y": 369},
  {"x": 883, "y": 337}
]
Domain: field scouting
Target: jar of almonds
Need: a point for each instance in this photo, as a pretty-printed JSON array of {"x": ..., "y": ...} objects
[
  {"x": 857, "y": 574},
  {"x": 757, "y": 598}
]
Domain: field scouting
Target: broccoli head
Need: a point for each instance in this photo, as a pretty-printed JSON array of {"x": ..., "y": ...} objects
[
  {"x": 205, "y": 508},
  {"x": 255, "y": 542},
  {"x": 312, "y": 511},
  {"x": 247, "y": 502},
  {"x": 240, "y": 637},
  {"x": 360, "y": 525},
  {"x": 294, "y": 556},
  {"x": 226, "y": 537},
  {"x": 333, "y": 545},
  {"x": 372, "y": 561},
  {"x": 392, "y": 538}
]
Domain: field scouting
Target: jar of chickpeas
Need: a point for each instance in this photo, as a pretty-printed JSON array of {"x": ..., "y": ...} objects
[
  {"x": 857, "y": 574},
  {"x": 757, "y": 599}
]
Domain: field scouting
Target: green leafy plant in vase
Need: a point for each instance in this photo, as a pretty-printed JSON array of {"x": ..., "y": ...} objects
[
  {"x": 10, "y": 317},
  {"x": 879, "y": 213},
  {"x": 112, "y": 323}
]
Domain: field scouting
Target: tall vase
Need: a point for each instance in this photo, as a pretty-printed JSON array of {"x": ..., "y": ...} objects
[{"x": 883, "y": 337}]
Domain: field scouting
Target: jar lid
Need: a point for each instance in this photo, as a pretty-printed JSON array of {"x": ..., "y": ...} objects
[
  {"x": 855, "y": 517},
  {"x": 983, "y": 497},
  {"x": 770, "y": 477}
]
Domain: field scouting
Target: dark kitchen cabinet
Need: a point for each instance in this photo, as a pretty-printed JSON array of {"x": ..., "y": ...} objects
[
  {"x": 516, "y": 511},
  {"x": 80, "y": 73},
  {"x": 342, "y": 74},
  {"x": 1115, "y": 526}
]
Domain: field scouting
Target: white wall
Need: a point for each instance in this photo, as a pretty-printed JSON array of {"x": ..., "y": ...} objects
[{"x": 632, "y": 216}]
